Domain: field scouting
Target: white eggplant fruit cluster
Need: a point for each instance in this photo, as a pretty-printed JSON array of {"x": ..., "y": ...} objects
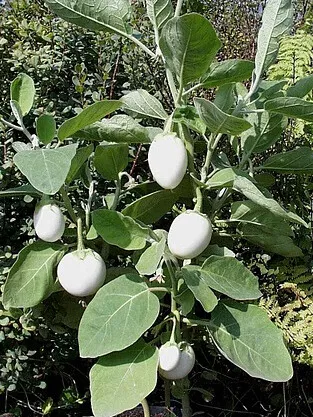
[
  {"x": 189, "y": 234},
  {"x": 176, "y": 361},
  {"x": 81, "y": 272},
  {"x": 167, "y": 159},
  {"x": 49, "y": 222}
]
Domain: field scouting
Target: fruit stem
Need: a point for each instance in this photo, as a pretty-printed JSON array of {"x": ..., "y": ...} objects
[
  {"x": 145, "y": 406},
  {"x": 80, "y": 241},
  {"x": 118, "y": 184},
  {"x": 68, "y": 204}
]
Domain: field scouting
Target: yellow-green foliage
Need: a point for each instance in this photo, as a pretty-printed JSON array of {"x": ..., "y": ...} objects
[{"x": 290, "y": 306}]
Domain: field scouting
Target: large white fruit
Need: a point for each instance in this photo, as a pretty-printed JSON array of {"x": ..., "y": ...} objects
[
  {"x": 189, "y": 234},
  {"x": 167, "y": 158},
  {"x": 81, "y": 273},
  {"x": 169, "y": 356},
  {"x": 49, "y": 222},
  {"x": 185, "y": 363}
]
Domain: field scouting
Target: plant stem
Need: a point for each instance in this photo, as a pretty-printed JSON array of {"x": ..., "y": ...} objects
[
  {"x": 141, "y": 45},
  {"x": 145, "y": 406},
  {"x": 195, "y": 87},
  {"x": 171, "y": 83},
  {"x": 167, "y": 394},
  {"x": 68, "y": 204},
  {"x": 118, "y": 184},
  {"x": 80, "y": 239},
  {"x": 178, "y": 7},
  {"x": 158, "y": 289},
  {"x": 186, "y": 405}
]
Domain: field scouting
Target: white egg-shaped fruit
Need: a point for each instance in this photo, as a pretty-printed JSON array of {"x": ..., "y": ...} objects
[
  {"x": 167, "y": 158},
  {"x": 185, "y": 365},
  {"x": 81, "y": 273},
  {"x": 169, "y": 356},
  {"x": 49, "y": 222},
  {"x": 189, "y": 234}
]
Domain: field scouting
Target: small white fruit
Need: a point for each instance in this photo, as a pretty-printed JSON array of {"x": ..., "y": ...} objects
[
  {"x": 185, "y": 365},
  {"x": 81, "y": 273},
  {"x": 189, "y": 234},
  {"x": 167, "y": 159},
  {"x": 169, "y": 356},
  {"x": 49, "y": 222}
]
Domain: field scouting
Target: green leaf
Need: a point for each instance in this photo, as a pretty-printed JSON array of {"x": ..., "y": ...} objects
[
  {"x": 277, "y": 21},
  {"x": 17, "y": 111},
  {"x": 46, "y": 169},
  {"x": 199, "y": 287},
  {"x": 111, "y": 159},
  {"x": 117, "y": 316},
  {"x": 229, "y": 276},
  {"x": 251, "y": 213},
  {"x": 266, "y": 129},
  {"x": 87, "y": 117},
  {"x": 293, "y": 107},
  {"x": 121, "y": 380},
  {"x": 185, "y": 299},
  {"x": 159, "y": 12},
  {"x": 189, "y": 44},
  {"x": 150, "y": 208},
  {"x": 119, "y": 128},
  {"x": 108, "y": 16},
  {"x": 144, "y": 104},
  {"x": 244, "y": 334},
  {"x": 31, "y": 278},
  {"x": 248, "y": 189},
  {"x": 22, "y": 91},
  {"x": 222, "y": 178},
  {"x": 20, "y": 191},
  {"x": 271, "y": 241},
  {"x": 229, "y": 71},
  {"x": 151, "y": 258},
  {"x": 81, "y": 156},
  {"x": 46, "y": 128},
  {"x": 217, "y": 121},
  {"x": 225, "y": 97},
  {"x": 301, "y": 88},
  {"x": 297, "y": 161},
  {"x": 120, "y": 230},
  {"x": 189, "y": 117}
]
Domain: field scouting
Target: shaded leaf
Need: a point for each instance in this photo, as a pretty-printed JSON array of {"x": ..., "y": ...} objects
[
  {"x": 151, "y": 258},
  {"x": 297, "y": 161},
  {"x": 46, "y": 128},
  {"x": 22, "y": 91},
  {"x": 229, "y": 71},
  {"x": 81, "y": 156},
  {"x": 293, "y": 107},
  {"x": 159, "y": 12},
  {"x": 111, "y": 159}
]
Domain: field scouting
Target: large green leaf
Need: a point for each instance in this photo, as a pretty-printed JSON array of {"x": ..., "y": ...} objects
[
  {"x": 151, "y": 258},
  {"x": 144, "y": 104},
  {"x": 248, "y": 212},
  {"x": 293, "y": 107},
  {"x": 245, "y": 335},
  {"x": 265, "y": 131},
  {"x": 31, "y": 278},
  {"x": 120, "y": 312},
  {"x": 189, "y": 44},
  {"x": 81, "y": 156},
  {"x": 22, "y": 91},
  {"x": 229, "y": 71},
  {"x": 246, "y": 187},
  {"x": 159, "y": 12},
  {"x": 46, "y": 169},
  {"x": 119, "y": 128},
  {"x": 225, "y": 97},
  {"x": 46, "y": 128},
  {"x": 297, "y": 161},
  {"x": 218, "y": 121},
  {"x": 228, "y": 276},
  {"x": 87, "y": 117},
  {"x": 150, "y": 208},
  {"x": 277, "y": 20},
  {"x": 119, "y": 230},
  {"x": 107, "y": 15},
  {"x": 199, "y": 287},
  {"x": 271, "y": 241},
  {"x": 301, "y": 88},
  {"x": 111, "y": 159},
  {"x": 121, "y": 380}
]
